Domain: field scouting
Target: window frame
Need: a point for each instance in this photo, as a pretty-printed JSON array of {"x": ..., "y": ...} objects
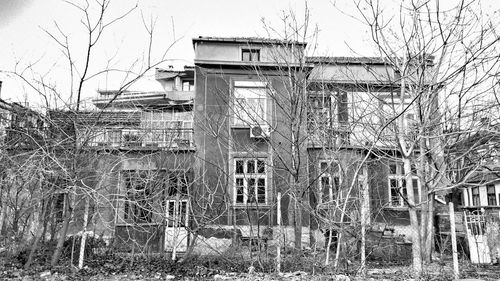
[
  {"x": 399, "y": 177},
  {"x": 252, "y": 52},
  {"x": 475, "y": 196},
  {"x": 332, "y": 172},
  {"x": 245, "y": 176},
  {"x": 243, "y": 117},
  {"x": 389, "y": 108},
  {"x": 491, "y": 195}
]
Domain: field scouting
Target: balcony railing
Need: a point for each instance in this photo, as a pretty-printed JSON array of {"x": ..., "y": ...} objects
[{"x": 140, "y": 138}]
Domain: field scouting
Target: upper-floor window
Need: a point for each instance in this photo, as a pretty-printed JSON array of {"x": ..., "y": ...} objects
[
  {"x": 392, "y": 110},
  {"x": 398, "y": 195},
  {"x": 329, "y": 182},
  {"x": 250, "y": 181},
  {"x": 250, "y": 54},
  {"x": 187, "y": 86},
  {"x": 327, "y": 110},
  {"x": 250, "y": 103}
]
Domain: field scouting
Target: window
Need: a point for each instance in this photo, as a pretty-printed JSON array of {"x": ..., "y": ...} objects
[
  {"x": 138, "y": 205},
  {"x": 250, "y": 103},
  {"x": 329, "y": 182},
  {"x": 491, "y": 195},
  {"x": 114, "y": 136},
  {"x": 250, "y": 55},
  {"x": 398, "y": 195},
  {"x": 390, "y": 109},
  {"x": 475, "y": 197},
  {"x": 250, "y": 181},
  {"x": 187, "y": 86},
  {"x": 328, "y": 115}
]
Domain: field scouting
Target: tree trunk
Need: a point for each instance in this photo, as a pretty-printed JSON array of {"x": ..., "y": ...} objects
[
  {"x": 3, "y": 215},
  {"x": 429, "y": 242},
  {"x": 64, "y": 231},
  {"x": 298, "y": 225},
  {"x": 416, "y": 243},
  {"x": 84, "y": 233},
  {"x": 38, "y": 235},
  {"x": 365, "y": 207}
]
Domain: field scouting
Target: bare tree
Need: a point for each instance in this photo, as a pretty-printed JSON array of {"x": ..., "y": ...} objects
[
  {"x": 442, "y": 56},
  {"x": 68, "y": 159}
]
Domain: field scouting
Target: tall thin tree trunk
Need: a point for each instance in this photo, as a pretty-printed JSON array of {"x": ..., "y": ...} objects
[
  {"x": 298, "y": 224},
  {"x": 3, "y": 214},
  {"x": 365, "y": 206},
  {"x": 416, "y": 241},
  {"x": 64, "y": 231},
  {"x": 429, "y": 242},
  {"x": 84, "y": 233},
  {"x": 38, "y": 235}
]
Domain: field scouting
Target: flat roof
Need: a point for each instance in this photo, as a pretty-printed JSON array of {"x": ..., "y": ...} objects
[
  {"x": 246, "y": 40},
  {"x": 359, "y": 60}
]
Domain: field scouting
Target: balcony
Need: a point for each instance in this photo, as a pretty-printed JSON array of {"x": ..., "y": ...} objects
[
  {"x": 335, "y": 135},
  {"x": 143, "y": 99},
  {"x": 140, "y": 139}
]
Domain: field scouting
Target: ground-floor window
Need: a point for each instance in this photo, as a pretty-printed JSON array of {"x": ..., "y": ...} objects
[
  {"x": 398, "y": 194},
  {"x": 491, "y": 195},
  {"x": 148, "y": 191},
  {"x": 250, "y": 181},
  {"x": 329, "y": 182}
]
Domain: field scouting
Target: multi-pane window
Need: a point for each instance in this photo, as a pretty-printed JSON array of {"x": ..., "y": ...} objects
[
  {"x": 250, "y": 55},
  {"x": 491, "y": 195},
  {"x": 476, "y": 201},
  {"x": 328, "y": 116},
  {"x": 398, "y": 195},
  {"x": 328, "y": 110},
  {"x": 250, "y": 103},
  {"x": 329, "y": 182},
  {"x": 250, "y": 181},
  {"x": 391, "y": 110},
  {"x": 166, "y": 127}
]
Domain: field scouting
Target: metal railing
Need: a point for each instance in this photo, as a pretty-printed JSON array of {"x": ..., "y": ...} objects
[{"x": 180, "y": 138}]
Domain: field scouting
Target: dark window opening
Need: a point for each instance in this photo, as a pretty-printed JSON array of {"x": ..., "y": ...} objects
[
  {"x": 250, "y": 55},
  {"x": 491, "y": 195},
  {"x": 475, "y": 197}
]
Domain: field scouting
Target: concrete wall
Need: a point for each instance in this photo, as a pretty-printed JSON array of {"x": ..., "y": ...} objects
[
  {"x": 220, "y": 142},
  {"x": 231, "y": 52}
]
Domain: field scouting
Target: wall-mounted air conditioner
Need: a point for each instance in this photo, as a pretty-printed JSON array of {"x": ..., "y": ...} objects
[{"x": 260, "y": 131}]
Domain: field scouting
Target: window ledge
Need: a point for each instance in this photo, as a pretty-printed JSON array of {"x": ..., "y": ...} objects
[
  {"x": 250, "y": 206},
  {"x": 399, "y": 208},
  {"x": 482, "y": 206},
  {"x": 139, "y": 224}
]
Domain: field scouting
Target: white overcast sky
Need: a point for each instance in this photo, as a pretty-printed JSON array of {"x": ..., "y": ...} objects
[{"x": 22, "y": 38}]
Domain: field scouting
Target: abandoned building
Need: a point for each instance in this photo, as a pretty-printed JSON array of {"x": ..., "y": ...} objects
[
  {"x": 204, "y": 158},
  {"x": 207, "y": 156}
]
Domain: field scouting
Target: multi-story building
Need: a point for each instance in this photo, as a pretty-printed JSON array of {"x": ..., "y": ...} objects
[
  {"x": 140, "y": 148},
  {"x": 252, "y": 119},
  {"x": 268, "y": 120}
]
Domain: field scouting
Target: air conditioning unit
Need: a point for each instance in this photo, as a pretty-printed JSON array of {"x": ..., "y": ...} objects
[{"x": 260, "y": 131}]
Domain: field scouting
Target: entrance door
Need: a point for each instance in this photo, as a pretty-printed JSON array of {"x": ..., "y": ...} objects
[
  {"x": 475, "y": 223},
  {"x": 176, "y": 234}
]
